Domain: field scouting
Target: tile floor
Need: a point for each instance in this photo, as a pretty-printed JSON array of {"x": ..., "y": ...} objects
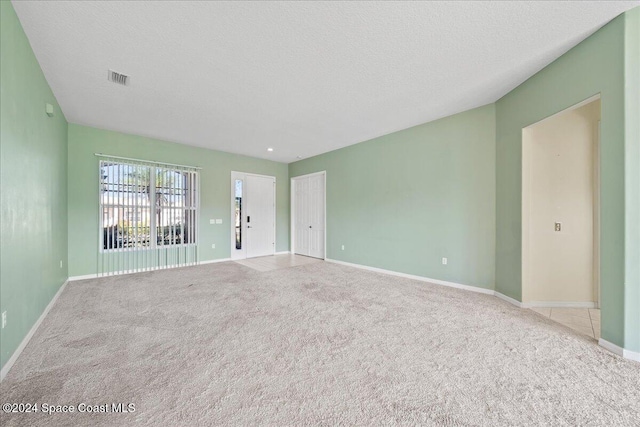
[
  {"x": 583, "y": 320},
  {"x": 275, "y": 262}
]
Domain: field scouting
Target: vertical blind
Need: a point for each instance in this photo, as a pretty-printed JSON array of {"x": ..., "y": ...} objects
[{"x": 148, "y": 215}]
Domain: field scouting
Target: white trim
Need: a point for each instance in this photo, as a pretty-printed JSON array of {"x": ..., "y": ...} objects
[
  {"x": 414, "y": 277},
  {"x": 559, "y": 304},
  {"x": 292, "y": 210},
  {"x": 546, "y": 304},
  {"x": 627, "y": 354},
  {"x": 255, "y": 174},
  {"x": 631, "y": 355},
  {"x": 597, "y": 214},
  {"x": 615, "y": 349},
  {"x": 310, "y": 174},
  {"x": 325, "y": 214},
  {"x": 508, "y": 299},
  {"x": 292, "y": 227},
  {"x": 124, "y": 273},
  {"x": 611, "y": 347},
  {"x": 7, "y": 366},
  {"x": 214, "y": 261},
  {"x": 85, "y": 277}
]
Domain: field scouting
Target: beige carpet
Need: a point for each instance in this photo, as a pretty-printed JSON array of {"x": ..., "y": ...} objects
[{"x": 319, "y": 344}]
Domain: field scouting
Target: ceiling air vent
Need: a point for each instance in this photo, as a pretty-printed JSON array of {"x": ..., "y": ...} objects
[{"x": 119, "y": 78}]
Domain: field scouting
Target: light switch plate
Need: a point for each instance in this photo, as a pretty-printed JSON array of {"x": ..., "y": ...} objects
[
  {"x": 212, "y": 221},
  {"x": 218, "y": 221}
]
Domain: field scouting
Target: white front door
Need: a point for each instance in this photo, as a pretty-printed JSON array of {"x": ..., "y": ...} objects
[
  {"x": 260, "y": 215},
  {"x": 308, "y": 213},
  {"x": 253, "y": 218}
]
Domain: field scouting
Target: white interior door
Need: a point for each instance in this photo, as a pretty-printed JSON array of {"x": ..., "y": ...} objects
[
  {"x": 260, "y": 215},
  {"x": 309, "y": 215},
  {"x": 301, "y": 216},
  {"x": 316, "y": 216}
]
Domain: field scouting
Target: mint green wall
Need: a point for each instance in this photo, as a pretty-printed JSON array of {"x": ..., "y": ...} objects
[
  {"x": 405, "y": 200},
  {"x": 33, "y": 175},
  {"x": 594, "y": 66},
  {"x": 632, "y": 180},
  {"x": 215, "y": 188},
  {"x": 449, "y": 188}
]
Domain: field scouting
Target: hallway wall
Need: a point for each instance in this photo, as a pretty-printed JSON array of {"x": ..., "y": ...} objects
[{"x": 558, "y": 186}]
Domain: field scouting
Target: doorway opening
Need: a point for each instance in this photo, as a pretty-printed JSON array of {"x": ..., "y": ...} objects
[
  {"x": 253, "y": 215},
  {"x": 560, "y": 217},
  {"x": 308, "y": 215}
]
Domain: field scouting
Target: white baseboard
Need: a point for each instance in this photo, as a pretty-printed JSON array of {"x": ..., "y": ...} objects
[
  {"x": 7, "y": 366},
  {"x": 282, "y": 253},
  {"x": 558, "y": 304},
  {"x": 508, "y": 299},
  {"x": 627, "y": 354},
  {"x": 611, "y": 347},
  {"x": 123, "y": 273},
  {"x": 631, "y": 355},
  {"x": 85, "y": 277},
  {"x": 213, "y": 261},
  {"x": 546, "y": 304},
  {"x": 414, "y": 277}
]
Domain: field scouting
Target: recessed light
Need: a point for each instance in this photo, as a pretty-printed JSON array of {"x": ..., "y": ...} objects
[{"x": 269, "y": 149}]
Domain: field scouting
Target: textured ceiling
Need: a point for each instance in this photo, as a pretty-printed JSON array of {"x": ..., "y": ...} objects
[{"x": 301, "y": 77}]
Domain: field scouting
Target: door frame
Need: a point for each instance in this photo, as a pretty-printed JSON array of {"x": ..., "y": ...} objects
[
  {"x": 293, "y": 217},
  {"x": 525, "y": 205},
  {"x": 242, "y": 253}
]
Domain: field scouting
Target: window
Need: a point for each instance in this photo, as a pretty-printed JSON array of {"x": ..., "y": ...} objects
[
  {"x": 238, "y": 213},
  {"x": 146, "y": 206}
]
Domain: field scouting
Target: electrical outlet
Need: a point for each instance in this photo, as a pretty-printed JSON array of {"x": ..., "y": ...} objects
[
  {"x": 444, "y": 261},
  {"x": 60, "y": 263},
  {"x": 343, "y": 247},
  {"x": 213, "y": 246},
  {"x": 558, "y": 226},
  {"x": 4, "y": 319}
]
